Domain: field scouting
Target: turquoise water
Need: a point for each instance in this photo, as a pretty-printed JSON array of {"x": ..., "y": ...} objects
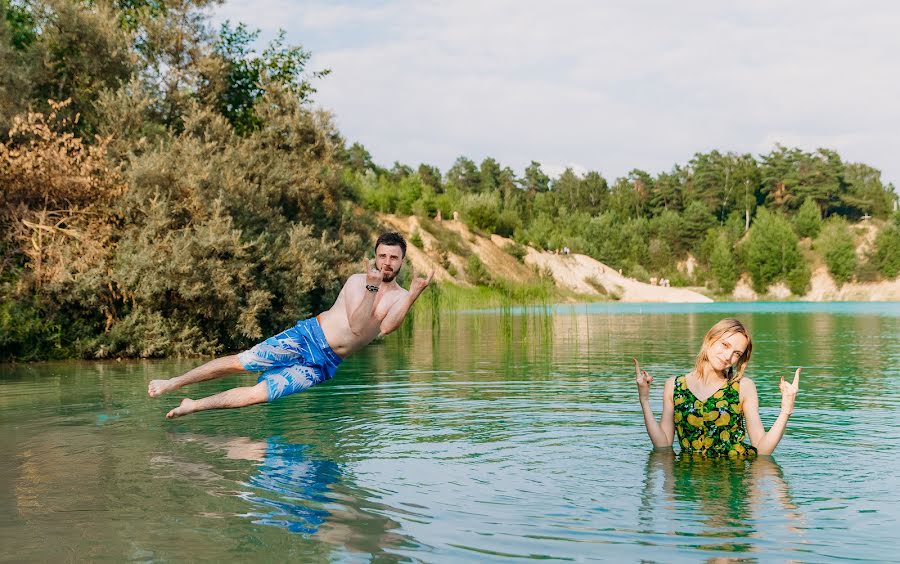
[{"x": 487, "y": 436}]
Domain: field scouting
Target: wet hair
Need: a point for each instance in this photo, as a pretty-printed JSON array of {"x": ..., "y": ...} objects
[
  {"x": 722, "y": 329},
  {"x": 392, "y": 239}
]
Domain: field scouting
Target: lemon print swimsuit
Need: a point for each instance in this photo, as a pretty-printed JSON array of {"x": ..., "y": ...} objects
[{"x": 714, "y": 427}]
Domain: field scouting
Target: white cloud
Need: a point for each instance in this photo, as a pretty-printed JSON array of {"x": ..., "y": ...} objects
[{"x": 612, "y": 86}]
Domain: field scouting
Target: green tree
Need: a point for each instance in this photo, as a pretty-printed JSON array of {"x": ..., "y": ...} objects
[
  {"x": 697, "y": 220},
  {"x": 887, "y": 250},
  {"x": 489, "y": 173},
  {"x": 836, "y": 245},
  {"x": 866, "y": 194},
  {"x": 722, "y": 264},
  {"x": 431, "y": 176},
  {"x": 464, "y": 175},
  {"x": 535, "y": 180},
  {"x": 773, "y": 254},
  {"x": 808, "y": 221},
  {"x": 482, "y": 211}
]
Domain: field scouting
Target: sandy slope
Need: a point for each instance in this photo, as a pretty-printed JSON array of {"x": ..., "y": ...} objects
[
  {"x": 823, "y": 289},
  {"x": 573, "y": 272},
  {"x": 570, "y": 272}
]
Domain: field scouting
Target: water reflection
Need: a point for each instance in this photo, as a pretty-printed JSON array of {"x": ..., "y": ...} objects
[
  {"x": 721, "y": 504},
  {"x": 294, "y": 488}
]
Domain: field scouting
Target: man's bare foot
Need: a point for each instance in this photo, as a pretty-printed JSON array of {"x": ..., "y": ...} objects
[
  {"x": 159, "y": 387},
  {"x": 187, "y": 406}
]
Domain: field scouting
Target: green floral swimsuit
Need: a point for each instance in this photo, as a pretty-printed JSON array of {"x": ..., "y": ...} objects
[{"x": 714, "y": 427}]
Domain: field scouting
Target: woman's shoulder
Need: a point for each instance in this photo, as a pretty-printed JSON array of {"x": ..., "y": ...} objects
[
  {"x": 745, "y": 386},
  {"x": 674, "y": 381}
]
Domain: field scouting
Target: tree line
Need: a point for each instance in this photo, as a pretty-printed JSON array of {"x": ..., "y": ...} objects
[
  {"x": 733, "y": 213},
  {"x": 167, "y": 188}
]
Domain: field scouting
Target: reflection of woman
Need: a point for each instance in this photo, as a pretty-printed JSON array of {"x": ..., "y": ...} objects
[
  {"x": 729, "y": 495},
  {"x": 712, "y": 406}
]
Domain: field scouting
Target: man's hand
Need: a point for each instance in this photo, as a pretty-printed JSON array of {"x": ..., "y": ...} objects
[
  {"x": 789, "y": 393},
  {"x": 643, "y": 380},
  {"x": 418, "y": 284},
  {"x": 374, "y": 276}
]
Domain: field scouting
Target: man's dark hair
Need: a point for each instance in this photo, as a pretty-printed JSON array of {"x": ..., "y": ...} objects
[{"x": 392, "y": 238}]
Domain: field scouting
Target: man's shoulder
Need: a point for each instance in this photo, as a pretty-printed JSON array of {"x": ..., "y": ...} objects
[
  {"x": 399, "y": 292},
  {"x": 355, "y": 278}
]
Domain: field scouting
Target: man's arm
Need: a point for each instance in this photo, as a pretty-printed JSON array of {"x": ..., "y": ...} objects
[
  {"x": 398, "y": 311},
  {"x": 364, "y": 311}
]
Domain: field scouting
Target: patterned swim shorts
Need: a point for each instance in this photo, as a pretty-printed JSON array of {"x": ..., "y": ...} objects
[{"x": 292, "y": 360}]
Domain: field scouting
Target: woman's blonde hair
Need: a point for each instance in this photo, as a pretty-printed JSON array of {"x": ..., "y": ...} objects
[{"x": 720, "y": 330}]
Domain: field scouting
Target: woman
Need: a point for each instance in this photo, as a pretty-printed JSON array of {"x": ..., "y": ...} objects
[{"x": 712, "y": 406}]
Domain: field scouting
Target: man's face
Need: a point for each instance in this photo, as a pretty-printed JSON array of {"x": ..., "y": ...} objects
[{"x": 389, "y": 257}]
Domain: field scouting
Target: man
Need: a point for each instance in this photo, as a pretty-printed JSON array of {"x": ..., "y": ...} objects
[{"x": 309, "y": 353}]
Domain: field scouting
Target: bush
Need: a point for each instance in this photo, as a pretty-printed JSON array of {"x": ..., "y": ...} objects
[
  {"x": 481, "y": 211},
  {"x": 773, "y": 253},
  {"x": 808, "y": 221},
  {"x": 416, "y": 239},
  {"x": 477, "y": 272},
  {"x": 836, "y": 245},
  {"x": 799, "y": 278},
  {"x": 516, "y": 251},
  {"x": 887, "y": 251},
  {"x": 722, "y": 264},
  {"x": 507, "y": 223}
]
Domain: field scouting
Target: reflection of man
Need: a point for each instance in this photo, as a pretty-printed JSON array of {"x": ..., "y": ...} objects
[
  {"x": 291, "y": 488},
  {"x": 310, "y": 352}
]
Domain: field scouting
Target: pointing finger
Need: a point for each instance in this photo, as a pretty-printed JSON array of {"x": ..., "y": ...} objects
[{"x": 796, "y": 382}]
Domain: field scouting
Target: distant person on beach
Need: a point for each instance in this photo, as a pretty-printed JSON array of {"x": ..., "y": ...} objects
[
  {"x": 369, "y": 304},
  {"x": 713, "y": 406}
]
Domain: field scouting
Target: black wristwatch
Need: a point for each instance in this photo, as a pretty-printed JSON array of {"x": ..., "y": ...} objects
[{"x": 371, "y": 287}]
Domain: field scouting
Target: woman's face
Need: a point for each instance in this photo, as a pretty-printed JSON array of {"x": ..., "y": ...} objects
[{"x": 725, "y": 352}]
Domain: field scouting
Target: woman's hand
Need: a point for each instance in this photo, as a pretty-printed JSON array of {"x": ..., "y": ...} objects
[
  {"x": 643, "y": 381},
  {"x": 789, "y": 393}
]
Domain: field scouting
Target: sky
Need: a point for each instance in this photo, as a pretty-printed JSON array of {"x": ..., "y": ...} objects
[{"x": 606, "y": 86}]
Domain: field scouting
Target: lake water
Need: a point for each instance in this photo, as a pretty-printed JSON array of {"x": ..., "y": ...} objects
[{"x": 482, "y": 436}]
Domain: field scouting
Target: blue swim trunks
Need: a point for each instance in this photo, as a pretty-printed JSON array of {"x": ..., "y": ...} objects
[{"x": 292, "y": 360}]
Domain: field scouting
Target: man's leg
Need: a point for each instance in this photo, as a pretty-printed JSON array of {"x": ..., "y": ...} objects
[
  {"x": 235, "y": 397},
  {"x": 212, "y": 369}
]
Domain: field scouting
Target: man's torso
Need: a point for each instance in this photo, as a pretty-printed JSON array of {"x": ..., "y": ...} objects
[{"x": 335, "y": 322}]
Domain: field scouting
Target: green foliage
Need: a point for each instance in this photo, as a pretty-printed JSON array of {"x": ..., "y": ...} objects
[
  {"x": 808, "y": 221},
  {"x": 476, "y": 271},
  {"x": 887, "y": 251},
  {"x": 798, "y": 279},
  {"x": 416, "y": 239},
  {"x": 516, "y": 251},
  {"x": 481, "y": 211},
  {"x": 21, "y": 24},
  {"x": 535, "y": 180},
  {"x": 722, "y": 264},
  {"x": 773, "y": 254},
  {"x": 838, "y": 249},
  {"x": 241, "y": 78},
  {"x": 507, "y": 223},
  {"x": 27, "y": 332}
]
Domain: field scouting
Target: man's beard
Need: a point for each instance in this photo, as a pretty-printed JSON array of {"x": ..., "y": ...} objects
[{"x": 390, "y": 277}]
